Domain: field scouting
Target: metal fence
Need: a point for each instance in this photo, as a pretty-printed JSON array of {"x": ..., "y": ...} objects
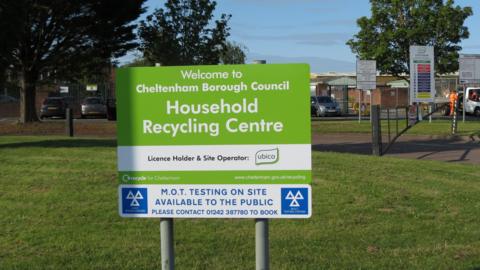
[{"x": 74, "y": 93}]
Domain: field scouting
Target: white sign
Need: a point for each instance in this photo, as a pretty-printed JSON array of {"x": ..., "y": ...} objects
[
  {"x": 225, "y": 157},
  {"x": 216, "y": 201},
  {"x": 422, "y": 74},
  {"x": 63, "y": 89},
  {"x": 366, "y": 74},
  {"x": 469, "y": 68},
  {"x": 92, "y": 87}
]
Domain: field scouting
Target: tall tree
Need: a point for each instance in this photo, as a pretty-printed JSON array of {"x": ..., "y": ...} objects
[
  {"x": 234, "y": 53},
  {"x": 65, "y": 39},
  {"x": 183, "y": 34},
  {"x": 396, "y": 24}
]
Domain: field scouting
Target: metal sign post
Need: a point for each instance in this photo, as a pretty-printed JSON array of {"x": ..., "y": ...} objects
[
  {"x": 167, "y": 250},
  {"x": 464, "y": 96},
  {"x": 366, "y": 80},
  {"x": 261, "y": 231},
  {"x": 359, "y": 105},
  {"x": 166, "y": 244}
]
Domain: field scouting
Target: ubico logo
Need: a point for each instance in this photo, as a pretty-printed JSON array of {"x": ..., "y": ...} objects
[{"x": 269, "y": 156}]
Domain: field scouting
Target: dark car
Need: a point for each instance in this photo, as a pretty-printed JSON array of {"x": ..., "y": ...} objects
[
  {"x": 93, "y": 106},
  {"x": 314, "y": 106},
  {"x": 324, "y": 106},
  {"x": 53, "y": 107}
]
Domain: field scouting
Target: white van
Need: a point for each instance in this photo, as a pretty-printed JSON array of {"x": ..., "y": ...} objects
[{"x": 472, "y": 101}]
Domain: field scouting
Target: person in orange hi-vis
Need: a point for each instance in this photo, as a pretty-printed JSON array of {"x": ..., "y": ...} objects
[{"x": 453, "y": 99}]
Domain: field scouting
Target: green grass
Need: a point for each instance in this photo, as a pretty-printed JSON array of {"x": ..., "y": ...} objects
[
  {"x": 436, "y": 128},
  {"x": 58, "y": 202}
]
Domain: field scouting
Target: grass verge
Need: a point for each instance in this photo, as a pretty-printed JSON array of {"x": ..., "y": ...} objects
[{"x": 58, "y": 206}]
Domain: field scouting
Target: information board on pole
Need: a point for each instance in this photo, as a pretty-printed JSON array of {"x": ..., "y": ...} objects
[
  {"x": 226, "y": 141},
  {"x": 422, "y": 74},
  {"x": 469, "y": 68},
  {"x": 366, "y": 74}
]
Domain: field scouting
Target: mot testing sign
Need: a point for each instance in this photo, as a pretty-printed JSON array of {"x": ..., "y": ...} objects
[
  {"x": 226, "y": 141},
  {"x": 469, "y": 68},
  {"x": 366, "y": 74},
  {"x": 422, "y": 74}
]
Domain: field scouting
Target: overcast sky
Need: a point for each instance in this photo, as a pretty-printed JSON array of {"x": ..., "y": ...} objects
[{"x": 313, "y": 31}]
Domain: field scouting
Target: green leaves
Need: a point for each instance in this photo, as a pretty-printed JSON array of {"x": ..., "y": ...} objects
[
  {"x": 183, "y": 34},
  {"x": 396, "y": 24}
]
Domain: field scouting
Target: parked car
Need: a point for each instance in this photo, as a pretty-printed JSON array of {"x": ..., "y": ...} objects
[
  {"x": 324, "y": 106},
  {"x": 314, "y": 106},
  {"x": 53, "y": 107},
  {"x": 7, "y": 99},
  {"x": 93, "y": 106}
]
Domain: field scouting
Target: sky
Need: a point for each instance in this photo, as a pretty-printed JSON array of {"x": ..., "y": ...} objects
[{"x": 311, "y": 31}]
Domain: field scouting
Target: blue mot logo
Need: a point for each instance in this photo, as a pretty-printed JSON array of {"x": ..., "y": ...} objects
[
  {"x": 294, "y": 201},
  {"x": 134, "y": 201}
]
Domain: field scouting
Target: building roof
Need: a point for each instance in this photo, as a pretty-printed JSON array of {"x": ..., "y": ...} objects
[
  {"x": 398, "y": 84},
  {"x": 342, "y": 81}
]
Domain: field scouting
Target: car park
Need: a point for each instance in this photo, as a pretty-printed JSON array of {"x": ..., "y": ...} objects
[
  {"x": 93, "y": 107},
  {"x": 53, "y": 107}
]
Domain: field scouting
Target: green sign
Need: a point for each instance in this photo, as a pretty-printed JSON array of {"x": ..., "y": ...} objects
[{"x": 224, "y": 124}]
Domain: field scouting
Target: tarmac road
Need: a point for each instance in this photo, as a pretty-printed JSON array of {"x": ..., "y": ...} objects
[{"x": 448, "y": 149}]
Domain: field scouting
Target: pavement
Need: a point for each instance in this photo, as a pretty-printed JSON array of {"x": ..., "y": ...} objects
[{"x": 448, "y": 148}]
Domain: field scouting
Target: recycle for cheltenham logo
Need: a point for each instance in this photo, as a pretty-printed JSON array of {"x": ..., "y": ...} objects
[
  {"x": 134, "y": 201},
  {"x": 294, "y": 201}
]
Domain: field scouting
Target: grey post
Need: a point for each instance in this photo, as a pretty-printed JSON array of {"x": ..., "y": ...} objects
[
  {"x": 166, "y": 244},
  {"x": 261, "y": 232},
  {"x": 359, "y": 105},
  {"x": 166, "y": 238},
  {"x": 464, "y": 100},
  {"x": 430, "y": 110},
  {"x": 69, "y": 122},
  {"x": 371, "y": 104},
  {"x": 261, "y": 244},
  {"x": 376, "y": 131}
]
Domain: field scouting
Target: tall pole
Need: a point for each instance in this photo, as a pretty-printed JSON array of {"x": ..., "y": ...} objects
[
  {"x": 167, "y": 250},
  {"x": 166, "y": 244},
  {"x": 261, "y": 232},
  {"x": 359, "y": 105},
  {"x": 376, "y": 131},
  {"x": 464, "y": 100},
  {"x": 371, "y": 103}
]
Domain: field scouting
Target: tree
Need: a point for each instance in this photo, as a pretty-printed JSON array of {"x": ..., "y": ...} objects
[
  {"x": 234, "y": 53},
  {"x": 182, "y": 34},
  {"x": 396, "y": 24},
  {"x": 10, "y": 12},
  {"x": 66, "y": 40}
]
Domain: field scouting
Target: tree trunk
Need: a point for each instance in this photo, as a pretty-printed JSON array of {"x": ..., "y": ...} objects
[{"x": 28, "y": 112}]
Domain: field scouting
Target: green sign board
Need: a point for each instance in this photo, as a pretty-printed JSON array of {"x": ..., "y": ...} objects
[{"x": 213, "y": 125}]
